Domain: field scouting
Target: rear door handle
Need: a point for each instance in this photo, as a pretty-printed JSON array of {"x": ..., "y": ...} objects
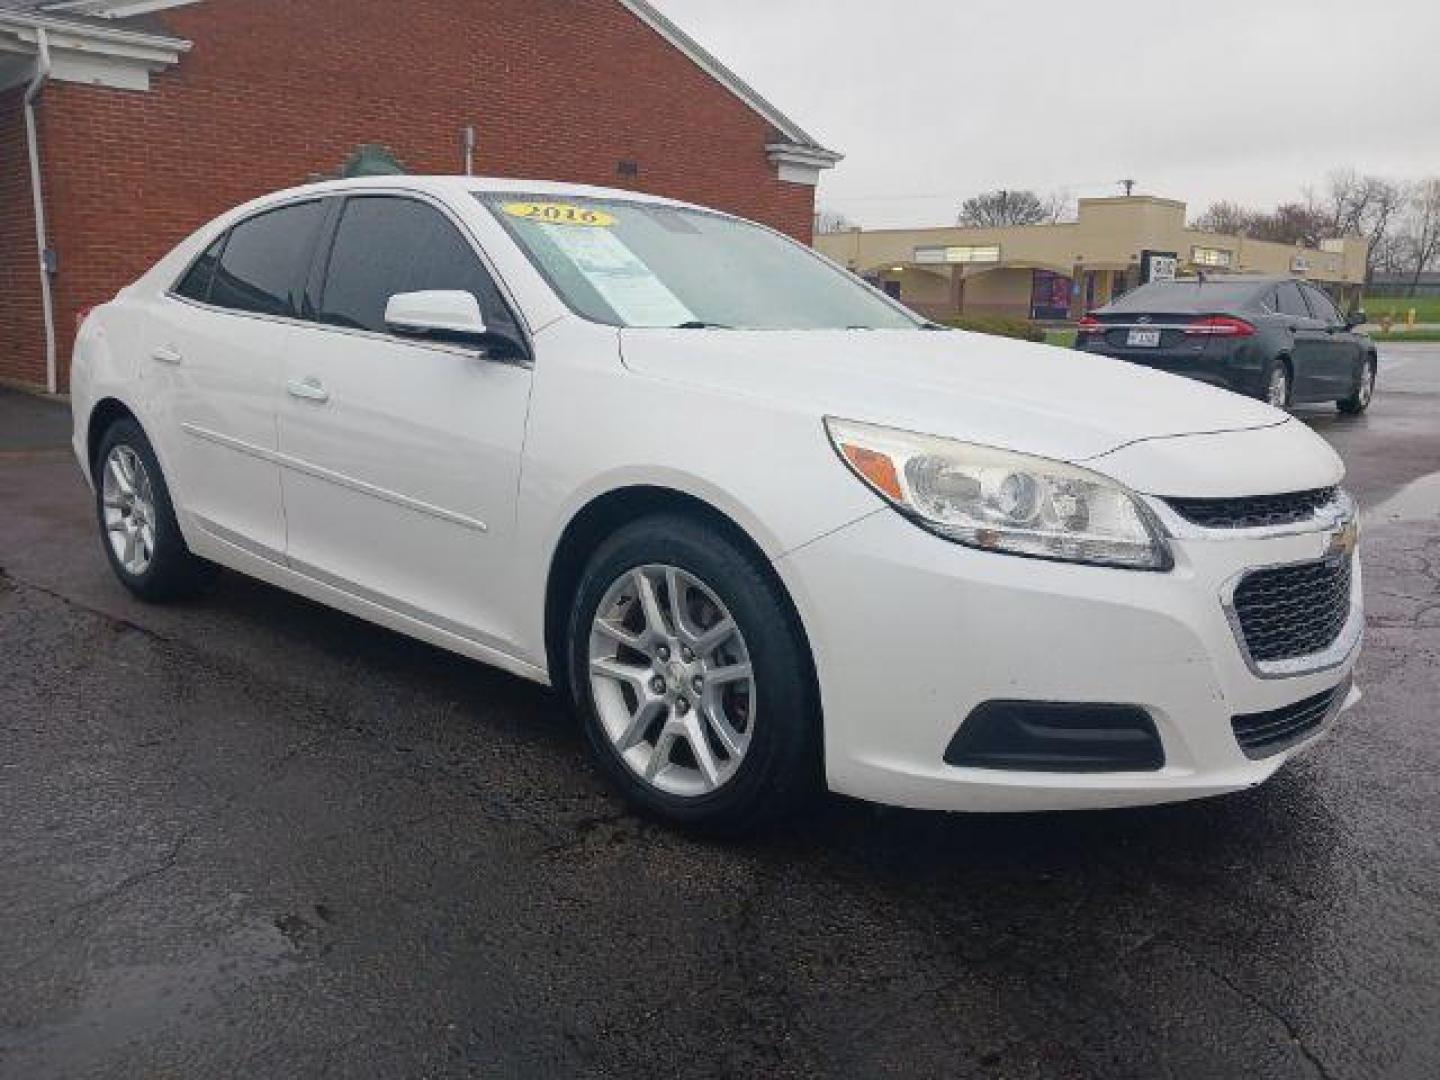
[
  {"x": 167, "y": 354},
  {"x": 308, "y": 390}
]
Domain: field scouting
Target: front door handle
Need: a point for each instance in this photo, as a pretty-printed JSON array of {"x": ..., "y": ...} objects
[
  {"x": 167, "y": 354},
  {"x": 308, "y": 390}
]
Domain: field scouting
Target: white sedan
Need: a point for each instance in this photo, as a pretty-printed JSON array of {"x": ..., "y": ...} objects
[{"x": 763, "y": 527}]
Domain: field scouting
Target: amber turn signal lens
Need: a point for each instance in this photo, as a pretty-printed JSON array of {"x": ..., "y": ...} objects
[{"x": 876, "y": 468}]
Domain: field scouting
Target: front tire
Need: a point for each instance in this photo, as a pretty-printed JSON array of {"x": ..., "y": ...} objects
[
  {"x": 1359, "y": 401},
  {"x": 138, "y": 529},
  {"x": 692, "y": 679}
]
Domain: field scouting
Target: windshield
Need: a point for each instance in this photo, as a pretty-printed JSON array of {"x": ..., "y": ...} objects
[{"x": 646, "y": 265}]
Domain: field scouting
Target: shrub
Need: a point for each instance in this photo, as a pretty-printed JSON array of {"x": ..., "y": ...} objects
[{"x": 999, "y": 325}]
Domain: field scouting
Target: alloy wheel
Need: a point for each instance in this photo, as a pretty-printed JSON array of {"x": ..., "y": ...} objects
[
  {"x": 129, "y": 505},
  {"x": 1367, "y": 385},
  {"x": 672, "y": 680},
  {"x": 1278, "y": 392}
]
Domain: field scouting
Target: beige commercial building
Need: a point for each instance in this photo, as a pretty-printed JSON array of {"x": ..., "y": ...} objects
[{"x": 1059, "y": 271}]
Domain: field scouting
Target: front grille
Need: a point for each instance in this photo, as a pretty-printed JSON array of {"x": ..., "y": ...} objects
[
  {"x": 1255, "y": 512},
  {"x": 1266, "y": 733},
  {"x": 1291, "y": 611}
]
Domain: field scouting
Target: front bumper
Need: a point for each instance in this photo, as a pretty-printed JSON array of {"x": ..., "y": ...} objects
[{"x": 911, "y": 632}]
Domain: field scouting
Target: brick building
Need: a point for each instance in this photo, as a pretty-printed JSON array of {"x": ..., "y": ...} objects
[{"x": 152, "y": 116}]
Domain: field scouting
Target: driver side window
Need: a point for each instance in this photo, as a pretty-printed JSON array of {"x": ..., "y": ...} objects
[{"x": 385, "y": 245}]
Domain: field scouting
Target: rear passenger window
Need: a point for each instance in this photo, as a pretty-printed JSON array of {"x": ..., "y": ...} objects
[
  {"x": 195, "y": 285},
  {"x": 386, "y": 245},
  {"x": 265, "y": 260},
  {"x": 1291, "y": 302}
]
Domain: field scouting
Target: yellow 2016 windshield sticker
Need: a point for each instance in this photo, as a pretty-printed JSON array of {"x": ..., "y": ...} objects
[{"x": 559, "y": 214}]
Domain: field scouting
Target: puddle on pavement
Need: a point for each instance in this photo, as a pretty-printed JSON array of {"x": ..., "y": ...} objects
[
  {"x": 134, "y": 1003},
  {"x": 1418, "y": 500}
]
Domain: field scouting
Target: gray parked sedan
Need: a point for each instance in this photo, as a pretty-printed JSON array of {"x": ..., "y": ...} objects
[{"x": 1274, "y": 338}]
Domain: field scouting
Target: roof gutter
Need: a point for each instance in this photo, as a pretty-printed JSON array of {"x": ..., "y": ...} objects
[{"x": 42, "y": 243}]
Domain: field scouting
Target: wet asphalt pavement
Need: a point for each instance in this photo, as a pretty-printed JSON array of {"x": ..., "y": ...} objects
[{"x": 249, "y": 837}]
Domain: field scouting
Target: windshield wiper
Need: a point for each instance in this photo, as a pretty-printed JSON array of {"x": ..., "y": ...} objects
[
  {"x": 933, "y": 326},
  {"x": 700, "y": 324}
]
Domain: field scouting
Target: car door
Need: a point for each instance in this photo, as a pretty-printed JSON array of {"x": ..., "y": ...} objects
[
  {"x": 1342, "y": 348},
  {"x": 1309, "y": 352},
  {"x": 401, "y": 457},
  {"x": 218, "y": 343}
]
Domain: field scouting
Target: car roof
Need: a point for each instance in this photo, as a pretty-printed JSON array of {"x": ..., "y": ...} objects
[
  {"x": 1232, "y": 279},
  {"x": 461, "y": 186}
]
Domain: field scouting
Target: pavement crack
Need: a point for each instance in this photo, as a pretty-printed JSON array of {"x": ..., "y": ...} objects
[
  {"x": 1269, "y": 1010},
  {"x": 81, "y": 909}
]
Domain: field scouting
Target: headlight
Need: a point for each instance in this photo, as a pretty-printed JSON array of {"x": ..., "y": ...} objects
[{"x": 999, "y": 501}]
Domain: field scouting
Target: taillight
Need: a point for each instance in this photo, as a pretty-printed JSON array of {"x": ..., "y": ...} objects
[
  {"x": 1090, "y": 325},
  {"x": 1220, "y": 326}
]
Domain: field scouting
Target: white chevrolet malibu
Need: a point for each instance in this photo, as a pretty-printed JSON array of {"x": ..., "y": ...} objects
[{"x": 763, "y": 527}]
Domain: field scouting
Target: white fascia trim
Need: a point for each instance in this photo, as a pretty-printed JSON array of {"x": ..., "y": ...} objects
[
  {"x": 114, "y": 9},
  {"x": 801, "y": 164},
  {"x": 89, "y": 54},
  {"x": 122, "y": 44},
  {"x": 712, "y": 66}
]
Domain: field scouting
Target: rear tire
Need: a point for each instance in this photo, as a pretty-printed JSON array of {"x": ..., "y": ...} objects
[
  {"x": 649, "y": 629},
  {"x": 137, "y": 522},
  {"x": 1364, "y": 393}
]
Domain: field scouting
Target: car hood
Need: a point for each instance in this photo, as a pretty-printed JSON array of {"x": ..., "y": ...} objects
[{"x": 1021, "y": 396}]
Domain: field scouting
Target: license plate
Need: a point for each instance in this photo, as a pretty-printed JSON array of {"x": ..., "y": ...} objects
[{"x": 1145, "y": 339}]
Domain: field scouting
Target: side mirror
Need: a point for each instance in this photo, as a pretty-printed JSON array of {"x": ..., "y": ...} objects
[
  {"x": 450, "y": 315},
  {"x": 1356, "y": 318}
]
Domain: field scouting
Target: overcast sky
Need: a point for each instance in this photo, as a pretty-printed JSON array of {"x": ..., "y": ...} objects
[{"x": 933, "y": 100}]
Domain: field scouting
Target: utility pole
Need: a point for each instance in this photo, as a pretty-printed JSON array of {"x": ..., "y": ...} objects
[{"x": 1129, "y": 186}]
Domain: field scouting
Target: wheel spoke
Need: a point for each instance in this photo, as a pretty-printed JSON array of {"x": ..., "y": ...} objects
[
  {"x": 728, "y": 674},
  {"x": 621, "y": 636},
  {"x": 640, "y": 722},
  {"x": 621, "y": 672},
  {"x": 660, "y": 757},
  {"x": 677, "y": 589},
  {"x": 117, "y": 473},
  {"x": 127, "y": 554},
  {"x": 700, "y": 748},
  {"x": 729, "y": 738},
  {"x": 715, "y": 636},
  {"x": 649, "y": 604},
  {"x": 127, "y": 463}
]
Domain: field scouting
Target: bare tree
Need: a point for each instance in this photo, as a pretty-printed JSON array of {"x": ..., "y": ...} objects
[
  {"x": 832, "y": 221},
  {"x": 1355, "y": 205},
  {"x": 1424, "y": 234},
  {"x": 1059, "y": 206},
  {"x": 997, "y": 209},
  {"x": 1290, "y": 223},
  {"x": 1226, "y": 217}
]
